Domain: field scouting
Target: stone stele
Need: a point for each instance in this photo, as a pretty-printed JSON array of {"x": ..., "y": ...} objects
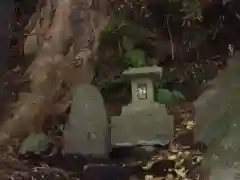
[{"x": 86, "y": 132}]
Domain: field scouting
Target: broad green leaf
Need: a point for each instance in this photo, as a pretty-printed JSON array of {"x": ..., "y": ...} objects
[
  {"x": 178, "y": 95},
  {"x": 35, "y": 143},
  {"x": 160, "y": 84},
  {"x": 164, "y": 96},
  {"x": 135, "y": 58},
  {"x": 112, "y": 26}
]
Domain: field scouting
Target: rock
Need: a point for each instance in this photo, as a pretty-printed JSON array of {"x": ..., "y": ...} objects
[
  {"x": 224, "y": 150},
  {"x": 35, "y": 144},
  {"x": 217, "y": 106},
  {"x": 86, "y": 132},
  {"x": 218, "y": 125}
]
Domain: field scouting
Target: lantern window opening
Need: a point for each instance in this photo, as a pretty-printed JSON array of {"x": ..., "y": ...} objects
[{"x": 142, "y": 91}]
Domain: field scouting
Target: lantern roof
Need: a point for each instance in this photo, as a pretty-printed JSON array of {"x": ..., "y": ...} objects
[{"x": 151, "y": 72}]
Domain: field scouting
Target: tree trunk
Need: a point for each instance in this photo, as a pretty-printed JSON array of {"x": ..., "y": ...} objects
[{"x": 67, "y": 35}]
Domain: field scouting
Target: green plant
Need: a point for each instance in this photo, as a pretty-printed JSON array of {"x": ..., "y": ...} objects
[
  {"x": 133, "y": 41},
  {"x": 135, "y": 58},
  {"x": 164, "y": 96},
  {"x": 126, "y": 39}
]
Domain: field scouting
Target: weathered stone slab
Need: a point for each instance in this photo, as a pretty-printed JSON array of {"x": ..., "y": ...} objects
[
  {"x": 86, "y": 132},
  {"x": 218, "y": 125},
  {"x": 218, "y": 106}
]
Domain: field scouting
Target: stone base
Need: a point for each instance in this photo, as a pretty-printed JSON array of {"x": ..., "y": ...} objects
[{"x": 151, "y": 125}]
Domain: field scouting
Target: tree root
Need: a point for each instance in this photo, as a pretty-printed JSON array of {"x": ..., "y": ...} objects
[{"x": 53, "y": 66}]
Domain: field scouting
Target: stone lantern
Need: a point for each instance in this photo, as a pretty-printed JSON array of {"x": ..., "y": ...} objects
[{"x": 143, "y": 121}]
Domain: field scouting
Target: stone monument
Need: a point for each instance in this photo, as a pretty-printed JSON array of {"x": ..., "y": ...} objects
[
  {"x": 86, "y": 132},
  {"x": 143, "y": 121}
]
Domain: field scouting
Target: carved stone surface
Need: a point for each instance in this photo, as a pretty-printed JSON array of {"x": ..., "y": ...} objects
[
  {"x": 87, "y": 130},
  {"x": 143, "y": 121}
]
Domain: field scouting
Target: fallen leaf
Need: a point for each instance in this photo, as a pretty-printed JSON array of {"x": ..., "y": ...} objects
[{"x": 181, "y": 172}]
